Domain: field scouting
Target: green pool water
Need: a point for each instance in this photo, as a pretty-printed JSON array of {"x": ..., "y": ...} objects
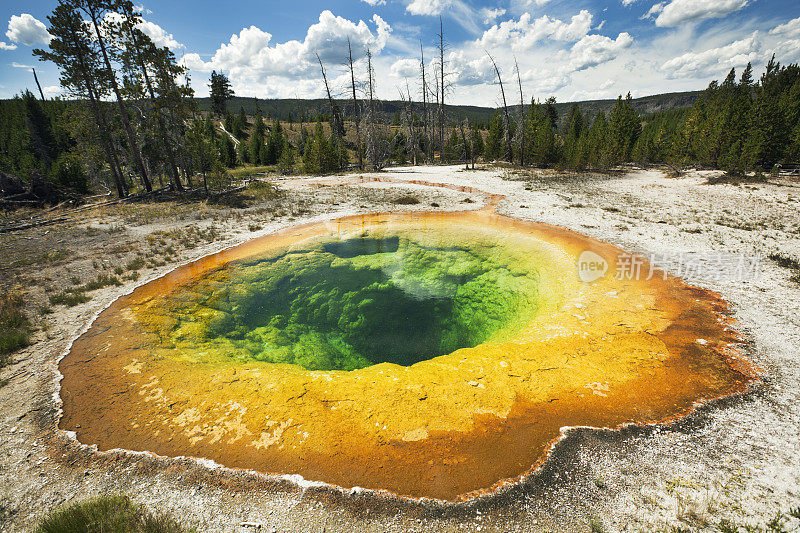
[{"x": 345, "y": 304}]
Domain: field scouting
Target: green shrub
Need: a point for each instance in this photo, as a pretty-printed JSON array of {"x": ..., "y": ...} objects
[
  {"x": 107, "y": 514},
  {"x": 14, "y": 326},
  {"x": 219, "y": 178},
  {"x": 69, "y": 172},
  {"x": 70, "y": 299}
]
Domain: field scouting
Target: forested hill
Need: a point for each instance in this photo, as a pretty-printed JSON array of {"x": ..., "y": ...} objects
[
  {"x": 310, "y": 110},
  {"x": 295, "y": 109}
]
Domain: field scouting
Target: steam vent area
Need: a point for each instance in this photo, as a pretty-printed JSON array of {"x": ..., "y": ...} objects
[{"x": 429, "y": 355}]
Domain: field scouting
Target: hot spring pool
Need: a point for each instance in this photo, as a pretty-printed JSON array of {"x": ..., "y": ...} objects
[{"x": 428, "y": 354}]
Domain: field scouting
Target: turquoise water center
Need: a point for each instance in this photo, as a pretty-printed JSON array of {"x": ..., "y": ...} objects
[{"x": 348, "y": 303}]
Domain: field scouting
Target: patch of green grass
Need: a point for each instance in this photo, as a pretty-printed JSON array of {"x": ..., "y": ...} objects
[
  {"x": 52, "y": 256},
  {"x": 135, "y": 264},
  {"x": 262, "y": 190},
  {"x": 14, "y": 326},
  {"x": 596, "y": 526},
  {"x": 246, "y": 171},
  {"x": 70, "y": 299},
  {"x": 103, "y": 280},
  {"x": 107, "y": 514}
]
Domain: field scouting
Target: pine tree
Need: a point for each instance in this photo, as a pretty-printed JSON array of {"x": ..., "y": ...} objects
[
  {"x": 476, "y": 140},
  {"x": 624, "y": 129},
  {"x": 573, "y": 137},
  {"x": 227, "y": 151},
  {"x": 275, "y": 142},
  {"x": 286, "y": 161},
  {"x": 551, "y": 113},
  {"x": 40, "y": 130},
  {"x": 598, "y": 150},
  {"x": 228, "y": 122},
  {"x": 202, "y": 149},
  {"x": 221, "y": 92},
  {"x": 494, "y": 140},
  {"x": 74, "y": 51},
  {"x": 257, "y": 139},
  {"x": 240, "y": 124},
  {"x": 768, "y": 133}
]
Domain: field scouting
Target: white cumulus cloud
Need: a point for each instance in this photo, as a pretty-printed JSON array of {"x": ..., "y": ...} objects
[
  {"x": 490, "y": 15},
  {"x": 51, "y": 91},
  {"x": 465, "y": 71},
  {"x": 254, "y": 63},
  {"x": 375, "y": 2},
  {"x": 790, "y": 29},
  {"x": 405, "y": 68},
  {"x": 158, "y": 35},
  {"x": 677, "y": 12},
  {"x": 26, "y": 29},
  {"x": 593, "y": 50},
  {"x": 522, "y": 34},
  {"x": 714, "y": 60},
  {"x": 6, "y": 46},
  {"x": 428, "y": 7}
]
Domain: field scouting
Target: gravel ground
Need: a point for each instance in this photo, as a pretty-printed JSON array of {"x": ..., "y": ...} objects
[{"x": 738, "y": 459}]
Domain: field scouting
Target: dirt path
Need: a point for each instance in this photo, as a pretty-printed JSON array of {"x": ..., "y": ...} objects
[{"x": 739, "y": 460}]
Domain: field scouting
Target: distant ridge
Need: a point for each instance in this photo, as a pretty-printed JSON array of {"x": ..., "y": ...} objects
[{"x": 295, "y": 108}]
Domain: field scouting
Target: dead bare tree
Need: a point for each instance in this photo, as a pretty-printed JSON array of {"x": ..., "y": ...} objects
[
  {"x": 39, "y": 85},
  {"x": 412, "y": 137},
  {"x": 424, "y": 104},
  {"x": 467, "y": 147},
  {"x": 336, "y": 126},
  {"x": 521, "y": 117},
  {"x": 355, "y": 107},
  {"x": 436, "y": 129},
  {"x": 441, "y": 85},
  {"x": 509, "y": 151},
  {"x": 373, "y": 142}
]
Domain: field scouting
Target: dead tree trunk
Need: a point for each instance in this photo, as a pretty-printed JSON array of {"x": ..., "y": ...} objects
[
  {"x": 509, "y": 151},
  {"x": 373, "y": 137},
  {"x": 437, "y": 125},
  {"x": 521, "y": 118},
  {"x": 359, "y": 149},
  {"x": 467, "y": 147},
  {"x": 39, "y": 85},
  {"x": 412, "y": 140},
  {"x": 442, "y": 85},
  {"x": 335, "y": 126},
  {"x": 424, "y": 105}
]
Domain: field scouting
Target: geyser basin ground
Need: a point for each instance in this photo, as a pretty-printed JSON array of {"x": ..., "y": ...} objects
[{"x": 426, "y": 354}]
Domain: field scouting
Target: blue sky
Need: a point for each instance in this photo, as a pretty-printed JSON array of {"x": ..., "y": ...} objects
[{"x": 574, "y": 50}]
